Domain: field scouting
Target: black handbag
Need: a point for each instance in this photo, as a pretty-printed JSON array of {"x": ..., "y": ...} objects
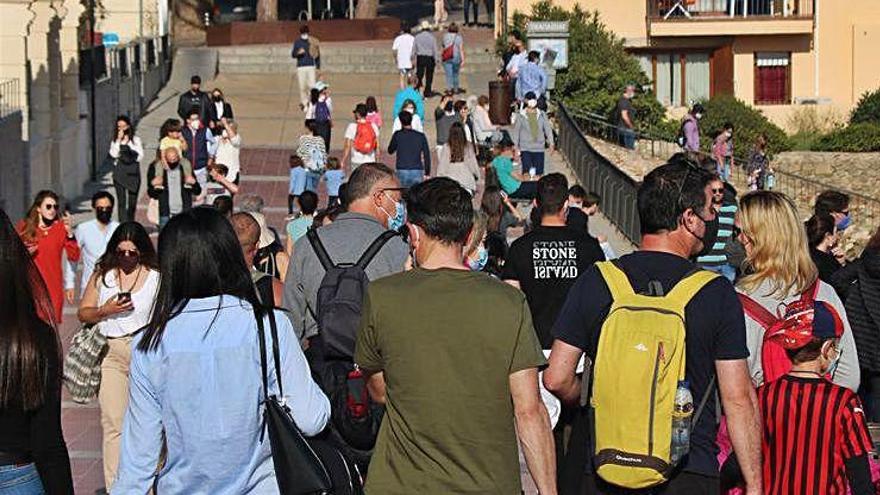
[{"x": 303, "y": 466}]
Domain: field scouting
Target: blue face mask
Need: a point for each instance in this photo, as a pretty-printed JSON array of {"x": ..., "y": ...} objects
[
  {"x": 833, "y": 366},
  {"x": 399, "y": 218},
  {"x": 477, "y": 265},
  {"x": 844, "y": 223}
]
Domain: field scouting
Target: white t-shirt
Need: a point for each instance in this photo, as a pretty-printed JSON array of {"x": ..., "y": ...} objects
[
  {"x": 403, "y": 45},
  {"x": 123, "y": 324},
  {"x": 357, "y": 157}
]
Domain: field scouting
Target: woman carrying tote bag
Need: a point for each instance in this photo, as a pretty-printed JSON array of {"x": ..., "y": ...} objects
[{"x": 195, "y": 375}]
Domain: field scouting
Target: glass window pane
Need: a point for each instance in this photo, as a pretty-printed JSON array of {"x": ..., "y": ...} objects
[
  {"x": 664, "y": 78},
  {"x": 675, "y": 74},
  {"x": 697, "y": 75}
]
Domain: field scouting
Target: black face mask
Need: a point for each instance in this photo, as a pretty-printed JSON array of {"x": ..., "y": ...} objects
[
  {"x": 709, "y": 237},
  {"x": 104, "y": 215},
  {"x": 48, "y": 221},
  {"x": 128, "y": 263},
  {"x": 218, "y": 98}
]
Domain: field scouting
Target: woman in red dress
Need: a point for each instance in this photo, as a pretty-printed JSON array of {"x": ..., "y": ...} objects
[{"x": 48, "y": 236}]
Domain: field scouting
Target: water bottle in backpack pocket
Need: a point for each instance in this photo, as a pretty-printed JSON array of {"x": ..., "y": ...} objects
[{"x": 681, "y": 422}]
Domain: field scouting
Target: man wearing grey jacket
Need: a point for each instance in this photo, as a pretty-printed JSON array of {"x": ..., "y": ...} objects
[
  {"x": 373, "y": 195},
  {"x": 427, "y": 52},
  {"x": 532, "y": 134}
]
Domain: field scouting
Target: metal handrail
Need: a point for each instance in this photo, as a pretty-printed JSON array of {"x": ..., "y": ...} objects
[
  {"x": 616, "y": 188},
  {"x": 802, "y": 189}
]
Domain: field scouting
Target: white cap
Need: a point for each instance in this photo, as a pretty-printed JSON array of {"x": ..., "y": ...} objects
[
  {"x": 266, "y": 236},
  {"x": 321, "y": 85}
]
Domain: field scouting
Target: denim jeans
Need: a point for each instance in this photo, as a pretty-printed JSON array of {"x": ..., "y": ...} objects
[
  {"x": 451, "y": 69},
  {"x": 627, "y": 137},
  {"x": 312, "y": 181},
  {"x": 20, "y": 480},
  {"x": 410, "y": 177},
  {"x": 724, "y": 170},
  {"x": 532, "y": 159}
]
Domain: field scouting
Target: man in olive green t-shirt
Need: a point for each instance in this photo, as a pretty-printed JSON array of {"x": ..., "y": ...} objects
[{"x": 454, "y": 357}]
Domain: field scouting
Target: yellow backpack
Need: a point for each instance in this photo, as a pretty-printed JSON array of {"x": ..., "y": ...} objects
[{"x": 639, "y": 361}]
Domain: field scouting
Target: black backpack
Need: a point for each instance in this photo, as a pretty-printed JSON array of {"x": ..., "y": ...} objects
[{"x": 355, "y": 417}]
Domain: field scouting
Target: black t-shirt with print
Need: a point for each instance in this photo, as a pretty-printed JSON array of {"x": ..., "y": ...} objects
[
  {"x": 715, "y": 331},
  {"x": 546, "y": 262}
]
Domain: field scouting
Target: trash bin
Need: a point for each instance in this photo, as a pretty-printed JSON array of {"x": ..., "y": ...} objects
[{"x": 500, "y": 99}]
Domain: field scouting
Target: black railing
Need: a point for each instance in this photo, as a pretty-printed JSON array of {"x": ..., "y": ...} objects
[
  {"x": 802, "y": 190},
  {"x": 597, "y": 173}
]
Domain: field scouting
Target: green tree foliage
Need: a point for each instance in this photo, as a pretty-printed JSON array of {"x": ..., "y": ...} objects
[
  {"x": 867, "y": 110},
  {"x": 747, "y": 122},
  {"x": 859, "y": 137},
  {"x": 599, "y": 68}
]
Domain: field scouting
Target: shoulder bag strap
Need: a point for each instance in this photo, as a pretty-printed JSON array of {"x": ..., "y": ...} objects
[
  {"x": 374, "y": 248},
  {"x": 755, "y": 311},
  {"x": 275, "y": 354},
  {"x": 320, "y": 251},
  {"x": 703, "y": 401},
  {"x": 261, "y": 334}
]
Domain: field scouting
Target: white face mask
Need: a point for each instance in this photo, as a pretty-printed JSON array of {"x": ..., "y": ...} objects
[
  {"x": 304, "y": 36},
  {"x": 194, "y": 125},
  {"x": 532, "y": 103},
  {"x": 410, "y": 110},
  {"x": 729, "y": 134},
  {"x": 698, "y": 116}
]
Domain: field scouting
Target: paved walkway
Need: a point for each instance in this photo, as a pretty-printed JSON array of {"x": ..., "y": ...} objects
[{"x": 266, "y": 107}]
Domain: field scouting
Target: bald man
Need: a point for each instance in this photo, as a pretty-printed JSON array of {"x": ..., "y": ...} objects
[{"x": 248, "y": 232}]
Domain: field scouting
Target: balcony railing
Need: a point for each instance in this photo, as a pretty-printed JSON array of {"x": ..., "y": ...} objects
[
  {"x": 9, "y": 97},
  {"x": 728, "y": 9}
]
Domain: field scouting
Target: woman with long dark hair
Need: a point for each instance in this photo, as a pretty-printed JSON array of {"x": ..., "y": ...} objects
[
  {"x": 195, "y": 376},
  {"x": 33, "y": 455},
  {"x": 119, "y": 298},
  {"x": 457, "y": 159},
  {"x": 48, "y": 234},
  {"x": 127, "y": 151},
  {"x": 822, "y": 237}
]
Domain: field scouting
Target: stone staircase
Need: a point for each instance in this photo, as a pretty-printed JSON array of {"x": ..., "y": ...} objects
[{"x": 338, "y": 58}]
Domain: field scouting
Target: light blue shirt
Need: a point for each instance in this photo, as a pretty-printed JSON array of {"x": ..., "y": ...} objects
[
  {"x": 409, "y": 93},
  {"x": 92, "y": 243},
  {"x": 334, "y": 179},
  {"x": 201, "y": 391},
  {"x": 297, "y": 180},
  {"x": 532, "y": 77}
]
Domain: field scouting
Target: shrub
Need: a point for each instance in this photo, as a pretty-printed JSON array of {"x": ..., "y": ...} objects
[
  {"x": 747, "y": 124},
  {"x": 867, "y": 109},
  {"x": 599, "y": 68},
  {"x": 858, "y": 137},
  {"x": 812, "y": 120},
  {"x": 804, "y": 141}
]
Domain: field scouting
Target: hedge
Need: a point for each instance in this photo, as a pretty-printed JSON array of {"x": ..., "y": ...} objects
[
  {"x": 748, "y": 123},
  {"x": 860, "y": 137}
]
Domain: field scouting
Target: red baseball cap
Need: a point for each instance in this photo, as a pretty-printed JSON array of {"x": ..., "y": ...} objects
[{"x": 804, "y": 321}]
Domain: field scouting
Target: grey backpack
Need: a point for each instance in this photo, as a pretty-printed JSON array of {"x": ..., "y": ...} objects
[{"x": 341, "y": 295}]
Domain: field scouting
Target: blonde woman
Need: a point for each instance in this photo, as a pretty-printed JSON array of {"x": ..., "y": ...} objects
[{"x": 779, "y": 271}]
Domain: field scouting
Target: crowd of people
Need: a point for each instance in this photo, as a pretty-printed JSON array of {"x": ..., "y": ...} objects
[{"x": 736, "y": 349}]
